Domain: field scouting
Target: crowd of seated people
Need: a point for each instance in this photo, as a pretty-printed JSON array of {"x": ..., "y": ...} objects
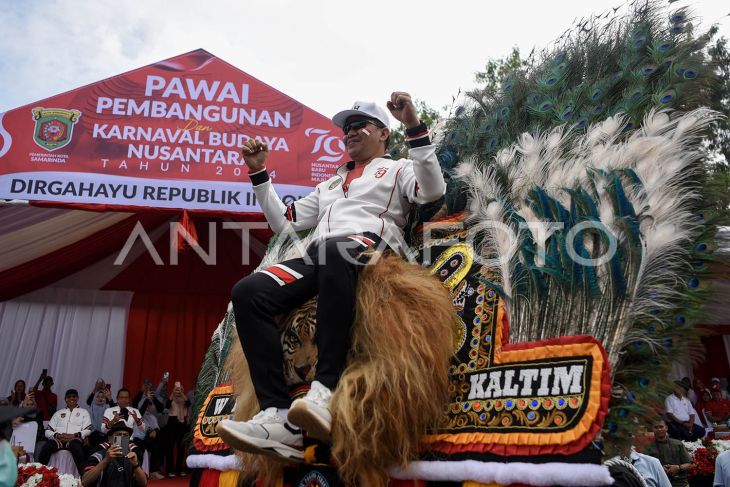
[
  {"x": 682, "y": 420},
  {"x": 155, "y": 420},
  {"x": 690, "y": 413}
]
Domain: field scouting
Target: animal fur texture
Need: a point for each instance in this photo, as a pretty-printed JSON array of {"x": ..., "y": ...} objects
[
  {"x": 395, "y": 385},
  {"x": 247, "y": 406}
]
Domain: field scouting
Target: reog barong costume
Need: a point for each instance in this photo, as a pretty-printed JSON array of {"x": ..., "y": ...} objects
[{"x": 576, "y": 243}]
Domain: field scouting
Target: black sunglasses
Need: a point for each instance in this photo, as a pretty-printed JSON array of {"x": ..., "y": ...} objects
[{"x": 356, "y": 125}]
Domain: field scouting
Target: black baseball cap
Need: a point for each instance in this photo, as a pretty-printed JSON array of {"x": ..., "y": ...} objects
[{"x": 119, "y": 426}]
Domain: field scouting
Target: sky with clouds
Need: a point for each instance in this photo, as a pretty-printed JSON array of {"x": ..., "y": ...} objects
[{"x": 324, "y": 54}]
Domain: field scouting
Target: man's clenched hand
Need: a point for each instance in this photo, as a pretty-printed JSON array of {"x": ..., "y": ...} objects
[
  {"x": 254, "y": 154},
  {"x": 402, "y": 108}
]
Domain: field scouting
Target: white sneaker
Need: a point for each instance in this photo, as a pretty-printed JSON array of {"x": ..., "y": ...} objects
[
  {"x": 312, "y": 412},
  {"x": 267, "y": 433}
]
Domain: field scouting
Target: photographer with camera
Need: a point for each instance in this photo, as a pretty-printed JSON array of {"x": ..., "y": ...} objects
[
  {"x": 45, "y": 398},
  {"x": 175, "y": 431},
  {"x": 116, "y": 462},
  {"x": 126, "y": 414},
  {"x": 100, "y": 386}
]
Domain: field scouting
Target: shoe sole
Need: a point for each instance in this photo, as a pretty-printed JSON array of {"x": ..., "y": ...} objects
[
  {"x": 299, "y": 415},
  {"x": 275, "y": 450}
]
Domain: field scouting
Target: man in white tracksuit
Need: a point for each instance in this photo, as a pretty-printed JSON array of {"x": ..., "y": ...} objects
[
  {"x": 67, "y": 430},
  {"x": 365, "y": 205}
]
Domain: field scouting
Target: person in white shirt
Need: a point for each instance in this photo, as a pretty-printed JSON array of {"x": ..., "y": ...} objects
[
  {"x": 67, "y": 430},
  {"x": 681, "y": 415},
  {"x": 650, "y": 468},
  {"x": 365, "y": 204},
  {"x": 722, "y": 470},
  {"x": 129, "y": 415}
]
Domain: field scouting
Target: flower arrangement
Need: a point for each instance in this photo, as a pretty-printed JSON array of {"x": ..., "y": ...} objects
[
  {"x": 703, "y": 461},
  {"x": 693, "y": 446},
  {"x": 721, "y": 445},
  {"x": 703, "y": 457},
  {"x": 38, "y": 475}
]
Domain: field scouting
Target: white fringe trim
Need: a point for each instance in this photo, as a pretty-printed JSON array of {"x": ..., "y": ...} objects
[
  {"x": 538, "y": 474},
  {"x": 215, "y": 462}
]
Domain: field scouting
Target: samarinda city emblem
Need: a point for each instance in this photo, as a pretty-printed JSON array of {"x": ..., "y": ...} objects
[{"x": 54, "y": 127}]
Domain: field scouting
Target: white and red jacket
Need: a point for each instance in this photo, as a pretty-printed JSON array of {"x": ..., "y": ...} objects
[
  {"x": 134, "y": 420},
  {"x": 377, "y": 200},
  {"x": 76, "y": 422}
]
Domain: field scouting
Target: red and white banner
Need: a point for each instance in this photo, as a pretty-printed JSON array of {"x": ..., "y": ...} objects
[{"x": 166, "y": 135}]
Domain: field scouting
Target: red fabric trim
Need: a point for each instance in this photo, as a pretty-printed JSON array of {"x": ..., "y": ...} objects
[
  {"x": 456, "y": 217},
  {"x": 209, "y": 478},
  {"x": 363, "y": 240},
  {"x": 566, "y": 449},
  {"x": 417, "y": 136},
  {"x": 352, "y": 175},
  {"x": 505, "y": 329},
  {"x": 51, "y": 267},
  {"x": 281, "y": 274},
  {"x": 382, "y": 222}
]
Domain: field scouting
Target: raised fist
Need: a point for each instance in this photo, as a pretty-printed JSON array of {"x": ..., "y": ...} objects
[
  {"x": 255, "y": 154},
  {"x": 402, "y": 108}
]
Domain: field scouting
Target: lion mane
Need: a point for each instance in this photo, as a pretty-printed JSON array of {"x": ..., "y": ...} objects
[{"x": 395, "y": 386}]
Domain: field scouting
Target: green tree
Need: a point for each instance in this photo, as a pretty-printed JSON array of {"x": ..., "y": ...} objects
[
  {"x": 718, "y": 170},
  {"x": 398, "y": 147},
  {"x": 719, "y": 140},
  {"x": 495, "y": 71}
]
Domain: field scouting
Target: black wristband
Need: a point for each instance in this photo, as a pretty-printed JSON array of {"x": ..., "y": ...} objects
[
  {"x": 418, "y": 136},
  {"x": 416, "y": 130},
  {"x": 259, "y": 177}
]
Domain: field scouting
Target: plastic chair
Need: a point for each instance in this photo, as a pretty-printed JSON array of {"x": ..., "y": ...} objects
[{"x": 64, "y": 462}]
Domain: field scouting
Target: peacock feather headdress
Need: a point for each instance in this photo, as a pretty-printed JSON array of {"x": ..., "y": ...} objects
[{"x": 583, "y": 170}]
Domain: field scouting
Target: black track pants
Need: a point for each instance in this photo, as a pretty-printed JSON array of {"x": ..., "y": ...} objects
[
  {"x": 331, "y": 271},
  {"x": 75, "y": 446}
]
